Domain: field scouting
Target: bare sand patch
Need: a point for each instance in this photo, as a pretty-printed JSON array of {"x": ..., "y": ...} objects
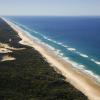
[
  {"x": 5, "y": 49},
  {"x": 7, "y": 57}
]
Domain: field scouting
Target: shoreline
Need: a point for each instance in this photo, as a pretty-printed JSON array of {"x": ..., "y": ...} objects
[{"x": 78, "y": 79}]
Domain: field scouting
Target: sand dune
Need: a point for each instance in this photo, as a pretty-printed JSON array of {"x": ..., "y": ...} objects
[
  {"x": 7, "y": 57},
  {"x": 5, "y": 49}
]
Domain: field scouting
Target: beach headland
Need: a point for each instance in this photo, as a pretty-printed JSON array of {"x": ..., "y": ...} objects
[{"x": 78, "y": 79}]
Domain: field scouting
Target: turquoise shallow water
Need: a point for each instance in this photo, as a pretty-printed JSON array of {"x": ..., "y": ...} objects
[{"x": 73, "y": 38}]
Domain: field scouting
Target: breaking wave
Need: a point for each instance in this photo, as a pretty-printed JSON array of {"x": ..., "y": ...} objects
[{"x": 60, "y": 53}]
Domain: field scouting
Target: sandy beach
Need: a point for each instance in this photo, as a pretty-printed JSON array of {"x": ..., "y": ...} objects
[{"x": 78, "y": 79}]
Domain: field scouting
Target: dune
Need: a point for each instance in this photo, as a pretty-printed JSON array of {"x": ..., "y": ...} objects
[{"x": 7, "y": 57}]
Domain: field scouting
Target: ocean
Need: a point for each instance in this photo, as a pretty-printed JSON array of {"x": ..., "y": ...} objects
[{"x": 75, "y": 39}]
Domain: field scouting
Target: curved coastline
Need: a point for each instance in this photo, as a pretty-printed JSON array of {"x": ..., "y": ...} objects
[
  {"x": 59, "y": 52},
  {"x": 69, "y": 48},
  {"x": 80, "y": 80}
]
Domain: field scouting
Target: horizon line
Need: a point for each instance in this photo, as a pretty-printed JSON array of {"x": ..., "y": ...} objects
[{"x": 56, "y": 15}]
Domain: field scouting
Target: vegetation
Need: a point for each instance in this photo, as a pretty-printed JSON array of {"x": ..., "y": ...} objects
[{"x": 30, "y": 77}]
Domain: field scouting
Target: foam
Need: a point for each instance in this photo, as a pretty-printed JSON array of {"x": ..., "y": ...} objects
[
  {"x": 83, "y": 55},
  {"x": 97, "y": 62},
  {"x": 56, "y": 42},
  {"x": 67, "y": 59},
  {"x": 74, "y": 64},
  {"x": 83, "y": 69},
  {"x": 45, "y": 37},
  {"x": 71, "y": 49},
  {"x": 65, "y": 46}
]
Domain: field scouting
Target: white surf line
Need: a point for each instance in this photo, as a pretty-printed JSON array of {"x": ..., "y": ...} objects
[{"x": 77, "y": 78}]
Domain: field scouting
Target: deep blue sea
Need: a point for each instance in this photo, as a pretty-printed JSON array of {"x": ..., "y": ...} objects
[{"x": 76, "y": 39}]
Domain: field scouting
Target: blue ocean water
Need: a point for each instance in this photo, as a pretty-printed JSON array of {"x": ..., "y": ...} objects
[{"x": 74, "y": 38}]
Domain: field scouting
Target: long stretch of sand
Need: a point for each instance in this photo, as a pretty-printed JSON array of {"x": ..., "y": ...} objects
[{"x": 78, "y": 79}]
